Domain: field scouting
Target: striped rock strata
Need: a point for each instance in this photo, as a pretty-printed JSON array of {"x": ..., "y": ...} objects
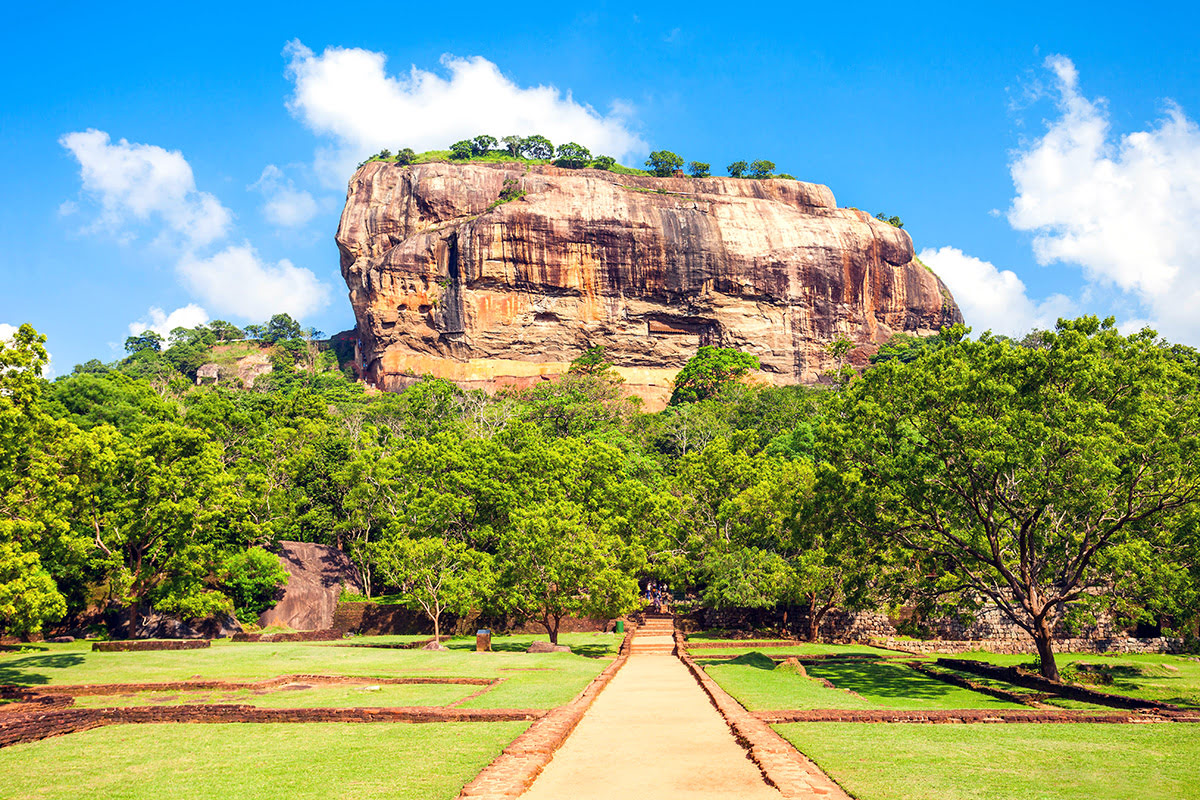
[{"x": 444, "y": 280}]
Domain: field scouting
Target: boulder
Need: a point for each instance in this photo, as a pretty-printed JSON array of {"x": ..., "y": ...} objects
[
  {"x": 317, "y": 574},
  {"x": 546, "y": 647}
]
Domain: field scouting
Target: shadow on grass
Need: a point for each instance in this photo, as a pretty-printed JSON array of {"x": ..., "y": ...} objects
[
  {"x": 598, "y": 650},
  {"x": 21, "y": 670},
  {"x": 881, "y": 680}
]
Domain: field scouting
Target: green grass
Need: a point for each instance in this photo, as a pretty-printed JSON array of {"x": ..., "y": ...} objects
[
  {"x": 255, "y": 762},
  {"x": 320, "y": 696},
  {"x": 1169, "y": 679},
  {"x": 1005, "y": 762},
  {"x": 566, "y": 674},
  {"x": 756, "y": 683},
  {"x": 803, "y": 649}
]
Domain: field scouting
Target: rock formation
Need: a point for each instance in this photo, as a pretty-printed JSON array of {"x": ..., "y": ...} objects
[
  {"x": 317, "y": 574},
  {"x": 501, "y": 274}
]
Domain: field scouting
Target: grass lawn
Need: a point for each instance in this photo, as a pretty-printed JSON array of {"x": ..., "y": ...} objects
[
  {"x": 326, "y": 696},
  {"x": 543, "y": 680},
  {"x": 1005, "y": 762},
  {"x": 255, "y": 762},
  {"x": 760, "y": 687},
  {"x": 1170, "y": 679},
  {"x": 804, "y": 649}
]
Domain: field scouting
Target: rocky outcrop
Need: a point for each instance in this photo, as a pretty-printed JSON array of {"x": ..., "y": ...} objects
[
  {"x": 317, "y": 574},
  {"x": 502, "y": 274}
]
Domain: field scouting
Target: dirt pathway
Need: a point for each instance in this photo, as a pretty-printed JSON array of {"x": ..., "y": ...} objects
[{"x": 651, "y": 733}]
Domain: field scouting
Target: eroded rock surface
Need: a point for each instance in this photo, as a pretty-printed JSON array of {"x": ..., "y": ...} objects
[{"x": 446, "y": 280}]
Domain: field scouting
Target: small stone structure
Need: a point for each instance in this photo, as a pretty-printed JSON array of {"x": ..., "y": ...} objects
[{"x": 208, "y": 372}]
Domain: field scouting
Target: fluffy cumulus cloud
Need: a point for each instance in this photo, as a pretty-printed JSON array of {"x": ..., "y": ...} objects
[
  {"x": 236, "y": 280},
  {"x": 991, "y": 298},
  {"x": 348, "y": 95},
  {"x": 163, "y": 323},
  {"x": 147, "y": 184},
  {"x": 285, "y": 206},
  {"x": 139, "y": 183},
  {"x": 7, "y": 331},
  {"x": 1123, "y": 207}
]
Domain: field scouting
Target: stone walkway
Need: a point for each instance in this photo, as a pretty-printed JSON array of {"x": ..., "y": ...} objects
[{"x": 651, "y": 733}]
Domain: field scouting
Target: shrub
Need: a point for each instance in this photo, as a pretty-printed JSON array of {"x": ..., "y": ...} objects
[
  {"x": 251, "y": 578},
  {"x": 737, "y": 169},
  {"x": 699, "y": 169},
  {"x": 893, "y": 220},
  {"x": 461, "y": 150},
  {"x": 406, "y": 156},
  {"x": 604, "y": 162}
]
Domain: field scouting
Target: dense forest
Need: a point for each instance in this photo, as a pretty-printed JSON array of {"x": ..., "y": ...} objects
[{"x": 1058, "y": 471}]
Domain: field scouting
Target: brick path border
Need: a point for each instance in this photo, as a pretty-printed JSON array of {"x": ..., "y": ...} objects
[
  {"x": 515, "y": 769},
  {"x": 781, "y": 764},
  {"x": 974, "y": 715}
]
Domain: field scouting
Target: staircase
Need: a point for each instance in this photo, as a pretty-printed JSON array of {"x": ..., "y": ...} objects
[{"x": 655, "y": 636}]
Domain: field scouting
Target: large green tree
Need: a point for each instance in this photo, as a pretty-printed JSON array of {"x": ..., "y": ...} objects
[
  {"x": 1018, "y": 474},
  {"x": 709, "y": 371},
  {"x": 557, "y": 562},
  {"x": 435, "y": 575}
]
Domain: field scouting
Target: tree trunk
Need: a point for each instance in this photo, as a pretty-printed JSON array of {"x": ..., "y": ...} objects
[
  {"x": 437, "y": 627},
  {"x": 553, "y": 629},
  {"x": 133, "y": 620},
  {"x": 1041, "y": 637},
  {"x": 814, "y": 622}
]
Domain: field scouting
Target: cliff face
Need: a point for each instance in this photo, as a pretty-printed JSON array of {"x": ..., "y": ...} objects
[{"x": 445, "y": 281}]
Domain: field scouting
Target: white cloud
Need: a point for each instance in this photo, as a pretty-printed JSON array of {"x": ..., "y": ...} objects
[
  {"x": 286, "y": 206},
  {"x": 139, "y": 182},
  {"x": 1122, "y": 207},
  {"x": 7, "y": 331},
  {"x": 993, "y": 299},
  {"x": 162, "y": 323},
  {"x": 347, "y": 94},
  {"x": 237, "y": 281}
]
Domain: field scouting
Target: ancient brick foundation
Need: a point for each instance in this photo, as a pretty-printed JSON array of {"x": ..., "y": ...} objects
[{"x": 126, "y": 645}]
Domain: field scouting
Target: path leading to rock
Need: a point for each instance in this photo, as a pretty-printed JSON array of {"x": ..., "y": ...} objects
[{"x": 653, "y": 733}]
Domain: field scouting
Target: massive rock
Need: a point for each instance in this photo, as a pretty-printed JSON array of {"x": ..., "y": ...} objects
[
  {"x": 317, "y": 574},
  {"x": 447, "y": 280}
]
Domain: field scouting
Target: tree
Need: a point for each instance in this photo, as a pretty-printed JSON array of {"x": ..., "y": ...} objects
[
  {"x": 594, "y": 361},
  {"x": 737, "y": 169},
  {"x": 161, "y": 507},
  {"x": 280, "y": 328},
  {"x": 537, "y": 147},
  {"x": 761, "y": 169},
  {"x": 461, "y": 150},
  {"x": 663, "y": 163},
  {"x": 604, "y": 162},
  {"x": 555, "y": 563},
  {"x": 405, "y": 157},
  {"x": 699, "y": 169},
  {"x": 512, "y": 144},
  {"x": 255, "y": 332},
  {"x": 146, "y": 340},
  {"x": 573, "y": 156},
  {"x": 483, "y": 144},
  {"x": 435, "y": 575},
  {"x": 707, "y": 372},
  {"x": 29, "y": 597},
  {"x": 1018, "y": 474},
  {"x": 251, "y": 579},
  {"x": 893, "y": 221},
  {"x": 225, "y": 331}
]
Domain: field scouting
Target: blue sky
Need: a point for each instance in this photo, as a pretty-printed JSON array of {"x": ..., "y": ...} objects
[{"x": 1044, "y": 157}]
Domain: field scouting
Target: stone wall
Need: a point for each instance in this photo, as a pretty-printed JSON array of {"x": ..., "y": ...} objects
[{"x": 990, "y": 631}]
